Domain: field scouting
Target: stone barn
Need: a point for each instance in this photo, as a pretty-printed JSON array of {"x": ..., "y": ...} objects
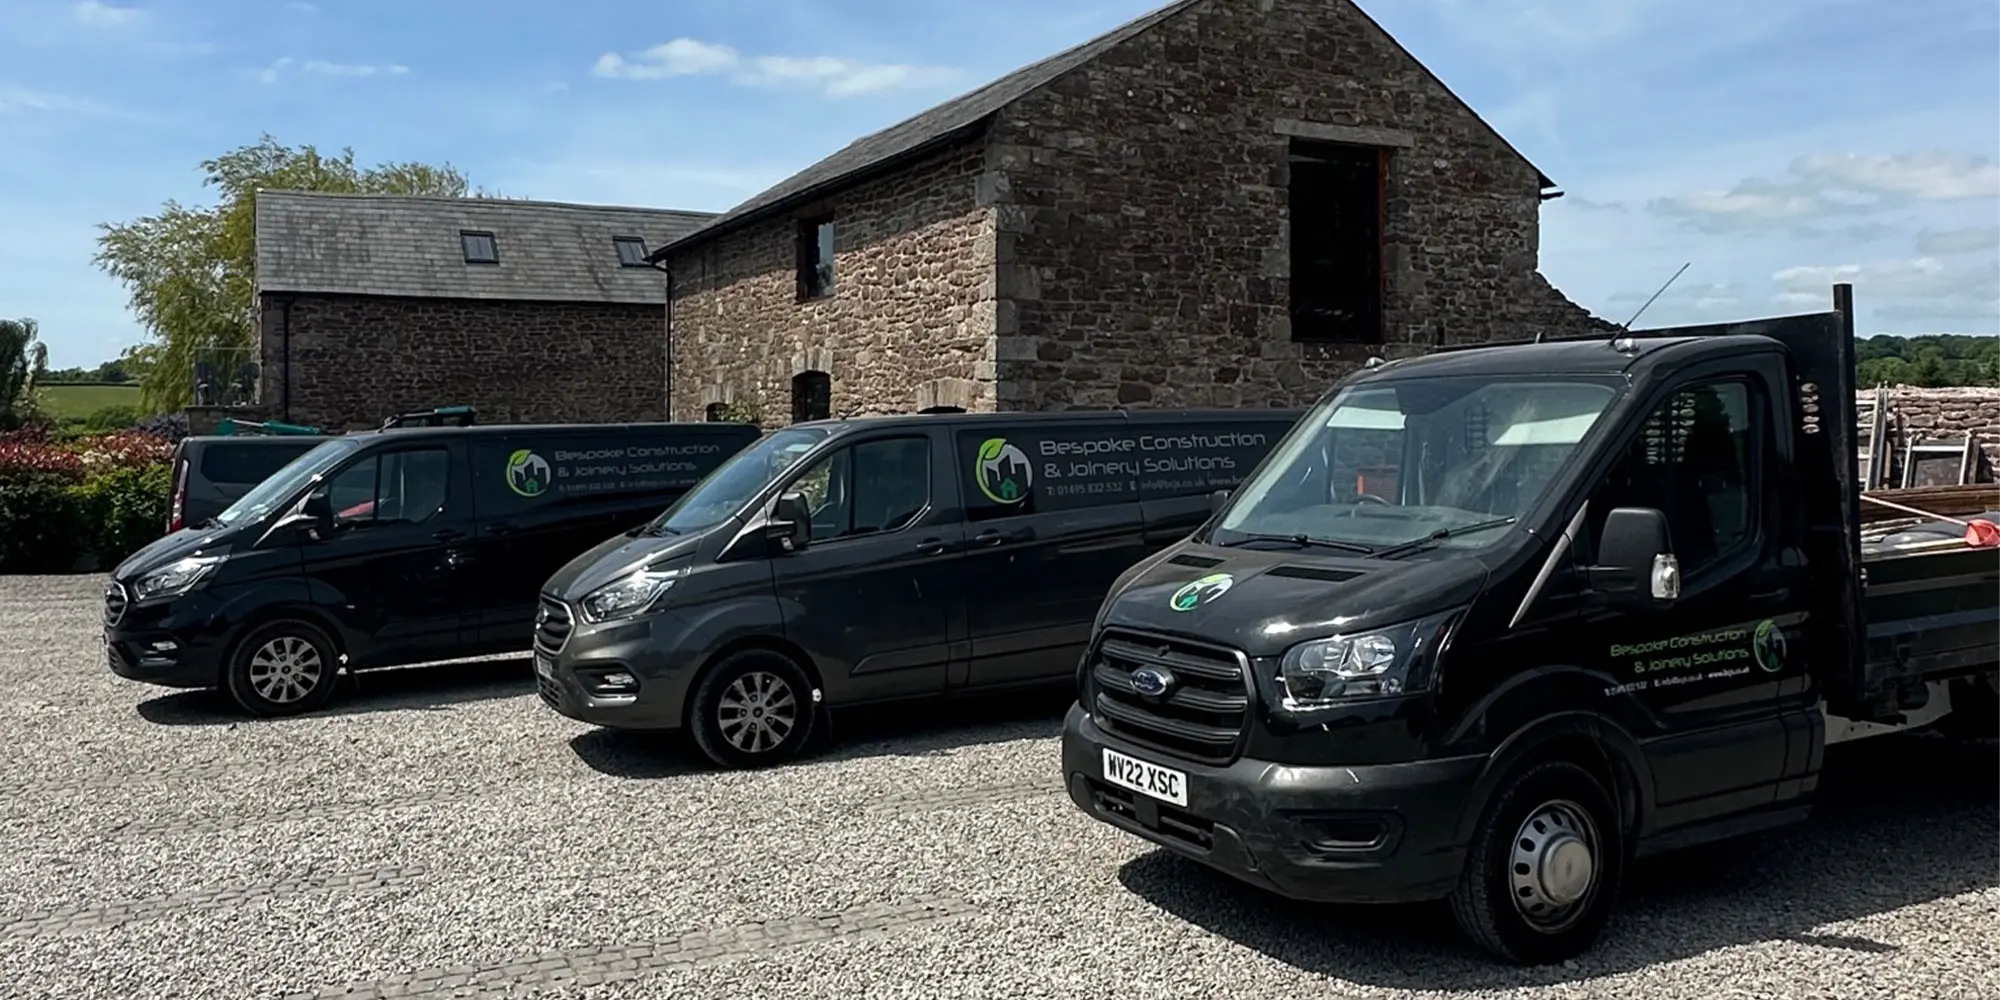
[
  {"x": 1222, "y": 203},
  {"x": 529, "y": 311}
]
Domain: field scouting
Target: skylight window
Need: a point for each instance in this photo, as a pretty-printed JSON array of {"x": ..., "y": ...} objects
[
  {"x": 479, "y": 248},
  {"x": 631, "y": 251}
]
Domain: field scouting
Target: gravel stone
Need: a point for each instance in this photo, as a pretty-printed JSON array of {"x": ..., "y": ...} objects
[{"x": 439, "y": 833}]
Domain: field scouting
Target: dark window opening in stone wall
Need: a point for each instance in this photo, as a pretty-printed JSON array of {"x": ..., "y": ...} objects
[
  {"x": 631, "y": 251},
  {"x": 942, "y": 409},
  {"x": 815, "y": 258},
  {"x": 1336, "y": 201},
  {"x": 480, "y": 248},
  {"x": 715, "y": 413},
  {"x": 812, "y": 396}
]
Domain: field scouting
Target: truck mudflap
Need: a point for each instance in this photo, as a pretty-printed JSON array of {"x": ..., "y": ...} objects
[{"x": 1374, "y": 834}]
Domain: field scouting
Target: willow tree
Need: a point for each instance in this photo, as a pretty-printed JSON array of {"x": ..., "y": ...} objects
[
  {"x": 23, "y": 359},
  {"x": 191, "y": 271}
]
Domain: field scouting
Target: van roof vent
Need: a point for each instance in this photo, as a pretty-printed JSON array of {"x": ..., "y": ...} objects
[
  {"x": 1316, "y": 573},
  {"x": 1198, "y": 562}
]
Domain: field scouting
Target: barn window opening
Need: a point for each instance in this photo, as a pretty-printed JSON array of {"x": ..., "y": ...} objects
[
  {"x": 816, "y": 258},
  {"x": 1337, "y": 202},
  {"x": 715, "y": 413},
  {"x": 479, "y": 247},
  {"x": 812, "y": 396},
  {"x": 942, "y": 409}
]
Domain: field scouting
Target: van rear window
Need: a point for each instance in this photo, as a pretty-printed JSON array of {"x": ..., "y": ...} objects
[{"x": 244, "y": 465}]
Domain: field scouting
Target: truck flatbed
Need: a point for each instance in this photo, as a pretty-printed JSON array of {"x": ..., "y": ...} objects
[{"x": 1932, "y": 602}]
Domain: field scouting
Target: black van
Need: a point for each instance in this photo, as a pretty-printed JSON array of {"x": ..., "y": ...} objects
[
  {"x": 867, "y": 560},
  {"x": 389, "y": 548},
  {"x": 213, "y": 471}
]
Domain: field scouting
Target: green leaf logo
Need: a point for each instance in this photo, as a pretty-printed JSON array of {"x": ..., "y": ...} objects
[{"x": 991, "y": 449}]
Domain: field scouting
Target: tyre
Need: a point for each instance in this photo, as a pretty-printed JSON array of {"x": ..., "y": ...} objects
[
  {"x": 279, "y": 668},
  {"x": 754, "y": 708},
  {"x": 1544, "y": 866}
]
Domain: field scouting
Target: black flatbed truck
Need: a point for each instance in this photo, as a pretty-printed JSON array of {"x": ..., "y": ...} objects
[{"x": 1492, "y": 622}]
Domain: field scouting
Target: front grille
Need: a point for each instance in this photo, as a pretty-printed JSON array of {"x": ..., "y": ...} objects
[
  {"x": 115, "y": 601},
  {"x": 1200, "y": 717},
  {"x": 552, "y": 626}
]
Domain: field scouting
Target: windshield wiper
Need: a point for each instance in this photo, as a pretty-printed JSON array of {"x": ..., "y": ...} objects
[
  {"x": 1303, "y": 542},
  {"x": 658, "y": 531},
  {"x": 1441, "y": 534}
]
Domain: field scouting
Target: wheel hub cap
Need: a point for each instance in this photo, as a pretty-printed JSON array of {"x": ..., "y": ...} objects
[
  {"x": 757, "y": 712},
  {"x": 1552, "y": 867}
]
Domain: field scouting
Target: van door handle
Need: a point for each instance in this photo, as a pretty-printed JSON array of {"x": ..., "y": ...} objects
[
  {"x": 502, "y": 528},
  {"x": 990, "y": 536},
  {"x": 930, "y": 547},
  {"x": 447, "y": 534}
]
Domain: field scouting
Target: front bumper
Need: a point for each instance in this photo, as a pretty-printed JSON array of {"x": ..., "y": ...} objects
[
  {"x": 1374, "y": 834},
  {"x": 175, "y": 643},
  {"x": 648, "y": 649}
]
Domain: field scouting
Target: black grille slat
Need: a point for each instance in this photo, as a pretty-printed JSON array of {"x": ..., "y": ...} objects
[
  {"x": 1201, "y": 718},
  {"x": 115, "y": 603},
  {"x": 553, "y": 626}
]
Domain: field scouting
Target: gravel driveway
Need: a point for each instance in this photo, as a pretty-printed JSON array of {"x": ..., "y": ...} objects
[{"x": 440, "y": 833}]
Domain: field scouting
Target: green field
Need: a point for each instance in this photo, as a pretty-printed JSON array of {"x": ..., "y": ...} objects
[{"x": 80, "y": 399}]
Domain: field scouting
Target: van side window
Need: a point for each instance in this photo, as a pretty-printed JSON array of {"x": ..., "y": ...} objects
[
  {"x": 399, "y": 487},
  {"x": 1694, "y": 460},
  {"x": 872, "y": 487}
]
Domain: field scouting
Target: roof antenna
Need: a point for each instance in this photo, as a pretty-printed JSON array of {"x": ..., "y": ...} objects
[{"x": 1627, "y": 325}]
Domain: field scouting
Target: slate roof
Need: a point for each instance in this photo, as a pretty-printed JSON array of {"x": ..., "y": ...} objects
[
  {"x": 956, "y": 119},
  {"x": 391, "y": 245}
]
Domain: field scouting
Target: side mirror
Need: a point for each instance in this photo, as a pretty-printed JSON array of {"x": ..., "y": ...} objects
[
  {"x": 313, "y": 517},
  {"x": 790, "y": 525},
  {"x": 1636, "y": 567},
  {"x": 1217, "y": 499}
]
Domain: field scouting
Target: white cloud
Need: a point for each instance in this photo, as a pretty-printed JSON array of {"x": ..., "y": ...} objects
[
  {"x": 103, "y": 15},
  {"x": 1919, "y": 288},
  {"x": 17, "y": 100},
  {"x": 1830, "y": 184},
  {"x": 320, "y": 67},
  {"x": 1945, "y": 242},
  {"x": 833, "y": 76}
]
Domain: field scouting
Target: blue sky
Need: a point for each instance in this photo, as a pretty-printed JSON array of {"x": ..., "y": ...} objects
[{"x": 1778, "y": 145}]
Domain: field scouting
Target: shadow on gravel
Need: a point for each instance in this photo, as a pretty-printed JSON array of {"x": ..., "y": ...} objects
[
  {"x": 1901, "y": 820},
  {"x": 911, "y": 730},
  {"x": 400, "y": 690}
]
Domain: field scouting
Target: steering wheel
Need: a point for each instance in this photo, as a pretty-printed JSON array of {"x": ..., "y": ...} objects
[{"x": 1372, "y": 498}]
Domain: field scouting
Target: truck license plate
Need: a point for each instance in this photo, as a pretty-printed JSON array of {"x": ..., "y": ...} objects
[
  {"x": 545, "y": 668},
  {"x": 1146, "y": 778}
]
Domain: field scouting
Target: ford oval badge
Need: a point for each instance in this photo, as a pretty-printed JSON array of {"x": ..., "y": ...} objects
[{"x": 1151, "y": 682}]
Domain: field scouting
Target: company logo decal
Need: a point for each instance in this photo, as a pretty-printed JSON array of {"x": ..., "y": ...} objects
[
  {"x": 1768, "y": 646},
  {"x": 528, "y": 473},
  {"x": 1003, "y": 471},
  {"x": 1151, "y": 681},
  {"x": 1196, "y": 593}
]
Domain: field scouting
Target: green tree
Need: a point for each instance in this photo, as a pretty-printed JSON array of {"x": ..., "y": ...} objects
[
  {"x": 190, "y": 271},
  {"x": 23, "y": 360}
]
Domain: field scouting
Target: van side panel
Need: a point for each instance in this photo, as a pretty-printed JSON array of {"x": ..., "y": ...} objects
[
  {"x": 1057, "y": 510},
  {"x": 544, "y": 495}
]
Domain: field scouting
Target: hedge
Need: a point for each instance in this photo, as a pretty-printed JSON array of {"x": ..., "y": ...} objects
[{"x": 70, "y": 506}]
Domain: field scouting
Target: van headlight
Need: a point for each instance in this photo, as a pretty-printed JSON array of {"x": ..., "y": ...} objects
[
  {"x": 175, "y": 578},
  {"x": 627, "y": 596},
  {"x": 1383, "y": 663}
]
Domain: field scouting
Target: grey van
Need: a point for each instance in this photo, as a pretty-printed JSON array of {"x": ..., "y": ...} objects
[
  {"x": 213, "y": 471},
  {"x": 845, "y": 562}
]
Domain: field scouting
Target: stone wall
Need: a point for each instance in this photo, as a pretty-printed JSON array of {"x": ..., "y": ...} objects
[
  {"x": 1142, "y": 206},
  {"x": 358, "y": 359},
  {"x": 1938, "y": 415},
  {"x": 909, "y": 324}
]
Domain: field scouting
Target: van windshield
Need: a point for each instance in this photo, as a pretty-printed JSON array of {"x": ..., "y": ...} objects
[
  {"x": 725, "y": 491},
  {"x": 287, "y": 482},
  {"x": 1391, "y": 464}
]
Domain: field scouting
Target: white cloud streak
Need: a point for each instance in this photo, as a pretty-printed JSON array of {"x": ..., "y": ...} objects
[
  {"x": 1923, "y": 287},
  {"x": 320, "y": 67},
  {"x": 830, "y": 75},
  {"x": 102, "y": 15},
  {"x": 1834, "y": 184}
]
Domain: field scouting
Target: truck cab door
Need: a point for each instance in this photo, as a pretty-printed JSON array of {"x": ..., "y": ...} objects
[{"x": 1698, "y": 680}]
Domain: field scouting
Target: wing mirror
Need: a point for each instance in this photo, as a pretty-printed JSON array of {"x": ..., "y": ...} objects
[
  {"x": 313, "y": 517},
  {"x": 1636, "y": 567},
  {"x": 790, "y": 525}
]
